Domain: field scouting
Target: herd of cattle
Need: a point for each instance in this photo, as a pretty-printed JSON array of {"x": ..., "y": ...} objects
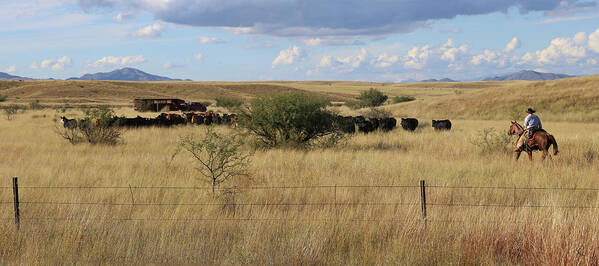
[
  {"x": 347, "y": 124},
  {"x": 163, "y": 119}
]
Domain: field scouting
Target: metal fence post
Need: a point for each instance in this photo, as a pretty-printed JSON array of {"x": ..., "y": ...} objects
[
  {"x": 15, "y": 191},
  {"x": 423, "y": 200}
]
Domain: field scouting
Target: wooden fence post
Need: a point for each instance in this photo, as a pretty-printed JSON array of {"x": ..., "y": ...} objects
[
  {"x": 423, "y": 200},
  {"x": 15, "y": 191}
]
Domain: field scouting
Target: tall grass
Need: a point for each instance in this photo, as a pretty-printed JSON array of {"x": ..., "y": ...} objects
[{"x": 291, "y": 234}]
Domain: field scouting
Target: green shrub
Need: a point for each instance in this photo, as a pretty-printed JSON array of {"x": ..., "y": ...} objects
[
  {"x": 401, "y": 99},
  {"x": 95, "y": 128},
  {"x": 228, "y": 103},
  {"x": 10, "y": 111},
  {"x": 288, "y": 119},
  {"x": 490, "y": 140},
  {"x": 35, "y": 105},
  {"x": 377, "y": 113},
  {"x": 371, "y": 98},
  {"x": 3, "y": 98}
]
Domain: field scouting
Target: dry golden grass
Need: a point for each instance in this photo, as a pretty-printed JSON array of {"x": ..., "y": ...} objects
[
  {"x": 304, "y": 234},
  {"x": 574, "y": 99}
]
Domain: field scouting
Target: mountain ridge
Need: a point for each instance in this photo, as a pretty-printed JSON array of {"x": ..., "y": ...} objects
[
  {"x": 125, "y": 74},
  {"x": 528, "y": 75}
]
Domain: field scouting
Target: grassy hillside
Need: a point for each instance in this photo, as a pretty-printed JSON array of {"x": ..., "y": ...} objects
[{"x": 575, "y": 99}]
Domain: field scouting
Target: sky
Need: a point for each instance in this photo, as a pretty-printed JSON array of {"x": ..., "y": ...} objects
[{"x": 252, "y": 40}]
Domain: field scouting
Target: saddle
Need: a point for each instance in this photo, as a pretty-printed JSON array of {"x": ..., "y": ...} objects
[{"x": 531, "y": 141}]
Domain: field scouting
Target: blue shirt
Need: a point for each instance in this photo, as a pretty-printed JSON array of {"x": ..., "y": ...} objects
[{"x": 532, "y": 121}]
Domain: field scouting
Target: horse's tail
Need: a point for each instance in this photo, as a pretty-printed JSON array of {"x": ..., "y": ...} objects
[{"x": 554, "y": 143}]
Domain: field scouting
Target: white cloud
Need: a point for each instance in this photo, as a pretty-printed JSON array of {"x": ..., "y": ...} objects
[
  {"x": 46, "y": 63},
  {"x": 10, "y": 69},
  {"x": 512, "y": 45},
  {"x": 61, "y": 63},
  {"x": 487, "y": 56},
  {"x": 198, "y": 56},
  {"x": 559, "y": 51},
  {"x": 54, "y": 64},
  {"x": 384, "y": 60},
  {"x": 417, "y": 57},
  {"x": 289, "y": 56},
  {"x": 112, "y": 61},
  {"x": 154, "y": 30},
  {"x": 120, "y": 17},
  {"x": 343, "y": 64},
  {"x": 450, "y": 52},
  {"x": 209, "y": 40},
  {"x": 594, "y": 41}
]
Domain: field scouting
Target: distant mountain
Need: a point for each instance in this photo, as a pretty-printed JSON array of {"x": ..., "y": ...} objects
[
  {"x": 408, "y": 81},
  {"x": 440, "y": 80},
  {"x": 8, "y": 76},
  {"x": 528, "y": 75},
  {"x": 126, "y": 74}
]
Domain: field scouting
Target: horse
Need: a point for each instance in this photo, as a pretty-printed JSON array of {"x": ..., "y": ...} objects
[{"x": 542, "y": 141}]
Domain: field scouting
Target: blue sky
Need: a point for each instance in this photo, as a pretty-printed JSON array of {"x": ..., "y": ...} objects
[{"x": 375, "y": 40}]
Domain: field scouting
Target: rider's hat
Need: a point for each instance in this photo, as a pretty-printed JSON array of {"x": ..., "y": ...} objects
[{"x": 530, "y": 110}]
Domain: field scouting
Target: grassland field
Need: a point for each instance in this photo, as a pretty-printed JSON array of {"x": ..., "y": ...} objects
[{"x": 223, "y": 228}]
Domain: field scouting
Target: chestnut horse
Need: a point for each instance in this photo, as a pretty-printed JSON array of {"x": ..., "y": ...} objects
[{"x": 542, "y": 142}]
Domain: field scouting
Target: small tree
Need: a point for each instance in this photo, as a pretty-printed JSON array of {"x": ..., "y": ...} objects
[
  {"x": 371, "y": 98},
  {"x": 288, "y": 119},
  {"x": 10, "y": 111},
  {"x": 220, "y": 157},
  {"x": 96, "y": 128}
]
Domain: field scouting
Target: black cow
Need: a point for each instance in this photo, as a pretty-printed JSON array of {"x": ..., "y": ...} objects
[
  {"x": 442, "y": 124},
  {"x": 387, "y": 123},
  {"x": 68, "y": 123},
  {"x": 409, "y": 123},
  {"x": 345, "y": 124}
]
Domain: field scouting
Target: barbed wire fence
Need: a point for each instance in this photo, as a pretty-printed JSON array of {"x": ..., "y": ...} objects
[{"x": 422, "y": 202}]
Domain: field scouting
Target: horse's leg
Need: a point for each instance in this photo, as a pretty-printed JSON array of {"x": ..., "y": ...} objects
[
  {"x": 529, "y": 155},
  {"x": 518, "y": 154}
]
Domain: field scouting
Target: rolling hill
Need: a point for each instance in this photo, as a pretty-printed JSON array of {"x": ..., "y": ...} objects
[{"x": 573, "y": 99}]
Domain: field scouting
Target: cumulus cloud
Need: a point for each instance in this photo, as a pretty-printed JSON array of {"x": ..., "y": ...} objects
[
  {"x": 450, "y": 52},
  {"x": 10, "y": 69},
  {"x": 207, "y": 40},
  {"x": 384, "y": 60},
  {"x": 289, "y": 56},
  {"x": 314, "y": 17},
  {"x": 594, "y": 41},
  {"x": 154, "y": 30},
  {"x": 512, "y": 45},
  {"x": 559, "y": 51},
  {"x": 54, "y": 64},
  {"x": 349, "y": 63},
  {"x": 112, "y": 61}
]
